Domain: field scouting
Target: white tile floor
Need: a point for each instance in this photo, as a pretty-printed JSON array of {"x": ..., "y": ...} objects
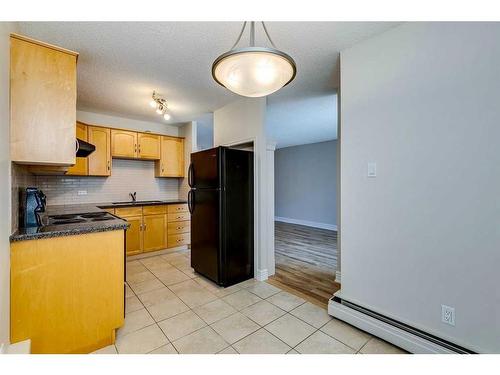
[{"x": 170, "y": 309}]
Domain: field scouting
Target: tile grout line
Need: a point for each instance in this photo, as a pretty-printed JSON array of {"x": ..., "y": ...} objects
[{"x": 237, "y": 311}]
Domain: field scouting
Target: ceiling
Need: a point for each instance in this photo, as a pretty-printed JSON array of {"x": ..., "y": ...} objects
[{"x": 121, "y": 63}]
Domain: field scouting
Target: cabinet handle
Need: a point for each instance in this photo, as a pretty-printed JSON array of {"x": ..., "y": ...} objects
[
  {"x": 109, "y": 165},
  {"x": 144, "y": 226},
  {"x": 161, "y": 167},
  {"x": 135, "y": 147}
]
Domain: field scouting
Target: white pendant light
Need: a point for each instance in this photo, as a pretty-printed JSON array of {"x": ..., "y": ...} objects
[{"x": 254, "y": 71}]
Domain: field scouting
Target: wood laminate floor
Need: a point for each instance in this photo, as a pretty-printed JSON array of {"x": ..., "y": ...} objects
[{"x": 306, "y": 260}]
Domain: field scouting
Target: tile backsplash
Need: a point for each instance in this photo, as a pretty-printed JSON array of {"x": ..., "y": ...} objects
[{"x": 126, "y": 176}]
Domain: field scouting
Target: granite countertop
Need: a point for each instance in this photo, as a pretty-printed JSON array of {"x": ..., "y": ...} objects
[{"x": 49, "y": 231}]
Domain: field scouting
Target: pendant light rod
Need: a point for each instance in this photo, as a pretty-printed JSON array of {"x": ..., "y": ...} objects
[
  {"x": 252, "y": 34},
  {"x": 239, "y": 36},
  {"x": 267, "y": 34}
]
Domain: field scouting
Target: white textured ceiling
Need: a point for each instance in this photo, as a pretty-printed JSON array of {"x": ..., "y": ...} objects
[{"x": 121, "y": 63}]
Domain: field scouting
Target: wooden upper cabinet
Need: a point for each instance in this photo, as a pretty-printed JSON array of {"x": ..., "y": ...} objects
[
  {"x": 81, "y": 167},
  {"x": 42, "y": 103},
  {"x": 99, "y": 162},
  {"x": 171, "y": 163},
  {"x": 149, "y": 146},
  {"x": 124, "y": 144}
]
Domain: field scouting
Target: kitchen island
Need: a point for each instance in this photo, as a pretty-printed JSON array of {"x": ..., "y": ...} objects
[{"x": 67, "y": 283}]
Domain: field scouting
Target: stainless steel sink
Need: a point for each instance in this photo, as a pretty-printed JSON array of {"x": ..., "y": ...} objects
[{"x": 136, "y": 202}]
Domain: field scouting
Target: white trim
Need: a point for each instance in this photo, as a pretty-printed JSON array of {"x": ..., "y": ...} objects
[
  {"x": 338, "y": 277},
  {"x": 307, "y": 223},
  {"x": 394, "y": 335},
  {"x": 261, "y": 275},
  {"x": 22, "y": 347},
  {"x": 271, "y": 146}
]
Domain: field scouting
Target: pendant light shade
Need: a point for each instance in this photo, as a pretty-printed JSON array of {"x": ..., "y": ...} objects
[{"x": 254, "y": 71}]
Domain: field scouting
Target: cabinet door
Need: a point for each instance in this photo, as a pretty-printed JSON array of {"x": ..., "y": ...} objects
[
  {"x": 123, "y": 144},
  {"x": 149, "y": 146},
  {"x": 134, "y": 235},
  {"x": 171, "y": 162},
  {"x": 154, "y": 232},
  {"x": 81, "y": 166},
  {"x": 100, "y": 160},
  {"x": 42, "y": 103}
]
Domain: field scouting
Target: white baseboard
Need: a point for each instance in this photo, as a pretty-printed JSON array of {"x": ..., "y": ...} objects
[
  {"x": 338, "y": 277},
  {"x": 387, "y": 332},
  {"x": 307, "y": 223},
  {"x": 23, "y": 347},
  {"x": 261, "y": 275}
]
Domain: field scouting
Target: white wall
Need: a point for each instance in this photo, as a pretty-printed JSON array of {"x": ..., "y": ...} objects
[
  {"x": 189, "y": 132},
  {"x": 422, "y": 101},
  {"x": 5, "y": 191},
  {"x": 306, "y": 184},
  {"x": 242, "y": 121},
  {"x": 205, "y": 132},
  {"x": 93, "y": 118}
]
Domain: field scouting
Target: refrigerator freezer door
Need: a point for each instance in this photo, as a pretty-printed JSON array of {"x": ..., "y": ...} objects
[
  {"x": 204, "y": 169},
  {"x": 205, "y": 232}
]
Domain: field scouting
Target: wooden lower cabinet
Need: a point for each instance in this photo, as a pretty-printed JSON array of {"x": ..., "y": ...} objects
[
  {"x": 179, "y": 239},
  {"x": 66, "y": 293},
  {"x": 154, "y": 227},
  {"x": 134, "y": 235}
]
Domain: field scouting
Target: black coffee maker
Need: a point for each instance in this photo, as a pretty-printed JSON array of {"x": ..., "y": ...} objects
[{"x": 32, "y": 202}]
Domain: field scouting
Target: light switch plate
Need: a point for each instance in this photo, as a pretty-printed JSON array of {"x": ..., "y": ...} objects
[{"x": 372, "y": 169}]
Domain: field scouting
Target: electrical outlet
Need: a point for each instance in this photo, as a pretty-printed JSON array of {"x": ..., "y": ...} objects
[
  {"x": 82, "y": 192},
  {"x": 448, "y": 315}
]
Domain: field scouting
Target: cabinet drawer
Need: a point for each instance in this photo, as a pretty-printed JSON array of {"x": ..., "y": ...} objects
[
  {"x": 173, "y": 208},
  {"x": 152, "y": 210},
  {"x": 180, "y": 216},
  {"x": 128, "y": 211},
  {"x": 178, "y": 227},
  {"x": 179, "y": 239}
]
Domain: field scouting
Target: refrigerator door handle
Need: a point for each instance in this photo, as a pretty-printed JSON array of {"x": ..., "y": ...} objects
[
  {"x": 190, "y": 175},
  {"x": 191, "y": 201}
]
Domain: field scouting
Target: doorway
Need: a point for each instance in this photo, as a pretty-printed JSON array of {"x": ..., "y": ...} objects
[{"x": 306, "y": 220}]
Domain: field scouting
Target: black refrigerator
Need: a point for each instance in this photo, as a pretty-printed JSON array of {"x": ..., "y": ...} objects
[{"x": 221, "y": 205}]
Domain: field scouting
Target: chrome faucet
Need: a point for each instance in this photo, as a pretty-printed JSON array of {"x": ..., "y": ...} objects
[{"x": 133, "y": 196}]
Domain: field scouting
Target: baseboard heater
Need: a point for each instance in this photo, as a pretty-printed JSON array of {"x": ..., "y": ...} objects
[{"x": 397, "y": 333}]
